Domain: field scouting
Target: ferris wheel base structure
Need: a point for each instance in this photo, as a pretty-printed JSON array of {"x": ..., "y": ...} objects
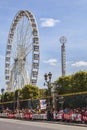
[{"x": 22, "y": 52}]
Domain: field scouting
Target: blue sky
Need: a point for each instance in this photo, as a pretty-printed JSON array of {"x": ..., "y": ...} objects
[{"x": 55, "y": 18}]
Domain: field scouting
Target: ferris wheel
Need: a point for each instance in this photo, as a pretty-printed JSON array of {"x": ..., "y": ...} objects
[{"x": 22, "y": 52}]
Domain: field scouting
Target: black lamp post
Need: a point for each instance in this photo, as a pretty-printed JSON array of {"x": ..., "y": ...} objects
[
  {"x": 47, "y": 78},
  {"x": 54, "y": 93},
  {"x": 18, "y": 101},
  {"x": 61, "y": 101}
]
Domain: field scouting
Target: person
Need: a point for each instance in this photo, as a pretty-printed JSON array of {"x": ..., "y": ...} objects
[{"x": 48, "y": 115}]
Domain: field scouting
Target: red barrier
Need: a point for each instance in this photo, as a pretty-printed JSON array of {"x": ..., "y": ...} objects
[
  {"x": 84, "y": 118},
  {"x": 10, "y": 115},
  {"x": 67, "y": 117},
  {"x": 76, "y": 117},
  {"x": 27, "y": 116}
]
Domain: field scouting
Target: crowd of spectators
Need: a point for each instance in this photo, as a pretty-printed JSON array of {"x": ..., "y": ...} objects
[{"x": 62, "y": 114}]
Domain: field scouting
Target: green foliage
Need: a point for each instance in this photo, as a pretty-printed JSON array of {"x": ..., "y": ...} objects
[
  {"x": 79, "y": 82},
  {"x": 64, "y": 84},
  {"x": 27, "y": 92},
  {"x": 43, "y": 93},
  {"x": 8, "y": 96},
  {"x": 73, "y": 83},
  {"x": 30, "y": 91}
]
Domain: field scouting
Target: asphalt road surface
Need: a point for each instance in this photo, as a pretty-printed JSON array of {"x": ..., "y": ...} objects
[{"x": 12, "y": 124}]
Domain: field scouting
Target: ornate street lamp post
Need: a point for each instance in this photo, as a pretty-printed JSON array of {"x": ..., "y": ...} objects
[
  {"x": 54, "y": 94},
  {"x": 18, "y": 101},
  {"x": 47, "y": 78},
  {"x": 61, "y": 101}
]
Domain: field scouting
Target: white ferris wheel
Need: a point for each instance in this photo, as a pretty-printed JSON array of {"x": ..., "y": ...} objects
[{"x": 22, "y": 52}]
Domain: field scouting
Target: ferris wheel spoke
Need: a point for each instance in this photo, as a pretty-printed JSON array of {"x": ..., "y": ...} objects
[
  {"x": 27, "y": 33},
  {"x": 26, "y": 76},
  {"x": 23, "y": 29},
  {"x": 28, "y": 66},
  {"x": 19, "y": 35},
  {"x": 27, "y": 39},
  {"x": 28, "y": 50},
  {"x": 23, "y": 38}
]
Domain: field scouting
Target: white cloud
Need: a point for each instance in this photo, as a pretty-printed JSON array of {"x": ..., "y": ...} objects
[
  {"x": 79, "y": 64},
  {"x": 49, "y": 22},
  {"x": 52, "y": 62}
]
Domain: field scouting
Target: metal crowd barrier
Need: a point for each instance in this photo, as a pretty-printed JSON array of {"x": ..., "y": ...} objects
[{"x": 59, "y": 116}]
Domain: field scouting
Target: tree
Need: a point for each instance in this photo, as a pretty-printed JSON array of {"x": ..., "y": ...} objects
[
  {"x": 64, "y": 84},
  {"x": 30, "y": 91},
  {"x": 72, "y": 84},
  {"x": 8, "y": 96},
  {"x": 43, "y": 93},
  {"x": 79, "y": 81}
]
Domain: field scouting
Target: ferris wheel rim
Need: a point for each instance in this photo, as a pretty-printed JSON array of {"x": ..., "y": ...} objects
[{"x": 35, "y": 44}]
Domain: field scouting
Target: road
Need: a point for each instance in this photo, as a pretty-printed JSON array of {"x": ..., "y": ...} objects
[{"x": 11, "y": 124}]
